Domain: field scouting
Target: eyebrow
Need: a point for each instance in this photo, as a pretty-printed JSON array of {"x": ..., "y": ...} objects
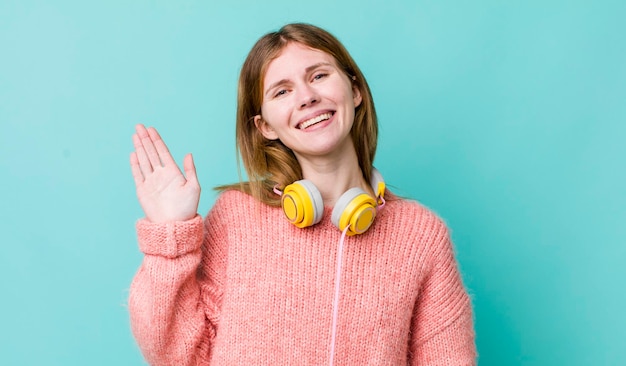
[{"x": 307, "y": 70}]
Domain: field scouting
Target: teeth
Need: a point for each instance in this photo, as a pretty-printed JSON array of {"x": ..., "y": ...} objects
[{"x": 315, "y": 120}]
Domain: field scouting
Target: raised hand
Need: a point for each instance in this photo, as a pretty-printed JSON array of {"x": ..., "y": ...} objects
[{"x": 165, "y": 194}]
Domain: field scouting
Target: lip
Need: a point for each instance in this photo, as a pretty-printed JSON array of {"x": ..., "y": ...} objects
[{"x": 313, "y": 115}]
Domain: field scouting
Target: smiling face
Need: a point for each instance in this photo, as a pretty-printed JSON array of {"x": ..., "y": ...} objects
[{"x": 308, "y": 103}]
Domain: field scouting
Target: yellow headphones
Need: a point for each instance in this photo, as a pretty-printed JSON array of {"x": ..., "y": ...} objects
[{"x": 303, "y": 206}]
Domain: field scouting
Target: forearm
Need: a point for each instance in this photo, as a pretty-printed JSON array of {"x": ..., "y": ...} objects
[{"x": 165, "y": 304}]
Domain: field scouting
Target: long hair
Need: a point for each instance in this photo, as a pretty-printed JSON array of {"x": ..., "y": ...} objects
[{"x": 270, "y": 163}]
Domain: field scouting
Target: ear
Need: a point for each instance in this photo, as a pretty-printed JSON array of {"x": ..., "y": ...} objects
[
  {"x": 266, "y": 130},
  {"x": 356, "y": 95}
]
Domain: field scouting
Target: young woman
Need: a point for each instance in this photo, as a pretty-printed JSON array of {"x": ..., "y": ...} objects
[{"x": 311, "y": 261}]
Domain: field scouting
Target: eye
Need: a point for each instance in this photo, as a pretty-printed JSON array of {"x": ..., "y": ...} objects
[
  {"x": 279, "y": 93},
  {"x": 319, "y": 76}
]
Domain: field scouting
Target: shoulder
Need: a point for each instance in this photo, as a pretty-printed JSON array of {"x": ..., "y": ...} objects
[
  {"x": 233, "y": 205},
  {"x": 233, "y": 197},
  {"x": 413, "y": 221},
  {"x": 404, "y": 210},
  {"x": 232, "y": 201},
  {"x": 419, "y": 230}
]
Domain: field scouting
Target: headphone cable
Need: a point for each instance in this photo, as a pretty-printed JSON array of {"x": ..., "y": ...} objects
[{"x": 336, "y": 298}]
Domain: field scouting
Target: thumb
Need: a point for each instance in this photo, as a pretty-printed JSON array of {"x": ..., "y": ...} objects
[{"x": 190, "y": 169}]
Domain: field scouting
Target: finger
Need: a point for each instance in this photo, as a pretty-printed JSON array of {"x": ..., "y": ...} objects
[
  {"x": 190, "y": 169},
  {"x": 148, "y": 146},
  {"x": 164, "y": 153},
  {"x": 135, "y": 169},
  {"x": 142, "y": 157}
]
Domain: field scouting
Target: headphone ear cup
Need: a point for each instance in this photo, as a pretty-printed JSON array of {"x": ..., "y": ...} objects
[
  {"x": 355, "y": 209},
  {"x": 302, "y": 203}
]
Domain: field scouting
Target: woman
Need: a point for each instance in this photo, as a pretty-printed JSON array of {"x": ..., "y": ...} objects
[{"x": 302, "y": 264}]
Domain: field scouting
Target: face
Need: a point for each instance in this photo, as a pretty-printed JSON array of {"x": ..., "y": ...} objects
[{"x": 308, "y": 103}]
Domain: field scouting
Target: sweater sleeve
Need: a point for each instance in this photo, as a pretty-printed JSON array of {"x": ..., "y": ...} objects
[
  {"x": 172, "y": 315},
  {"x": 442, "y": 328}
]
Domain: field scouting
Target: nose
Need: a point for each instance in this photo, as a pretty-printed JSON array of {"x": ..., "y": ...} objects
[{"x": 309, "y": 96}]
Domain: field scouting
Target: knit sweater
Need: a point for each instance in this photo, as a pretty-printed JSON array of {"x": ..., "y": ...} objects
[{"x": 246, "y": 287}]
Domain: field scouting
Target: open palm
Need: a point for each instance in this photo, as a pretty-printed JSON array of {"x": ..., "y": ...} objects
[{"x": 165, "y": 194}]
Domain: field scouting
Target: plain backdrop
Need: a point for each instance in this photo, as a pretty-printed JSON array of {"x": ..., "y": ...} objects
[{"x": 507, "y": 118}]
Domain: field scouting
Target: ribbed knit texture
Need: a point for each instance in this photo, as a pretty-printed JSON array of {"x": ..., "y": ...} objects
[{"x": 245, "y": 287}]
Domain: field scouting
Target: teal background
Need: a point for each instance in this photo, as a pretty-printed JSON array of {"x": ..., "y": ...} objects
[{"x": 507, "y": 118}]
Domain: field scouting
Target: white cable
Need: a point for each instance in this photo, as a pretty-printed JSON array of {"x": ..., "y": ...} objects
[{"x": 336, "y": 299}]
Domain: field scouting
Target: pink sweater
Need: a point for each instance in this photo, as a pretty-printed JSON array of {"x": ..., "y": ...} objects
[{"x": 246, "y": 287}]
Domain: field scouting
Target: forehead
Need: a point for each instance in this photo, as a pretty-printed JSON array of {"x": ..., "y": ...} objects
[{"x": 293, "y": 59}]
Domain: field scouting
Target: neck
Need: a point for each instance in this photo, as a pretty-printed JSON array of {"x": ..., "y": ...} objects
[{"x": 334, "y": 176}]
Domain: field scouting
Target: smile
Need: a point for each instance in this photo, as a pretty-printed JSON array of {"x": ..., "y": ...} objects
[{"x": 314, "y": 120}]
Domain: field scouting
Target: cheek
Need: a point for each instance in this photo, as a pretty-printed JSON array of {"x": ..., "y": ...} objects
[
  {"x": 274, "y": 113},
  {"x": 348, "y": 95}
]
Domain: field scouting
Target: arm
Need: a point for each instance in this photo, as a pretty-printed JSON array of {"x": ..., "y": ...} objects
[
  {"x": 166, "y": 310},
  {"x": 442, "y": 328},
  {"x": 165, "y": 302}
]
